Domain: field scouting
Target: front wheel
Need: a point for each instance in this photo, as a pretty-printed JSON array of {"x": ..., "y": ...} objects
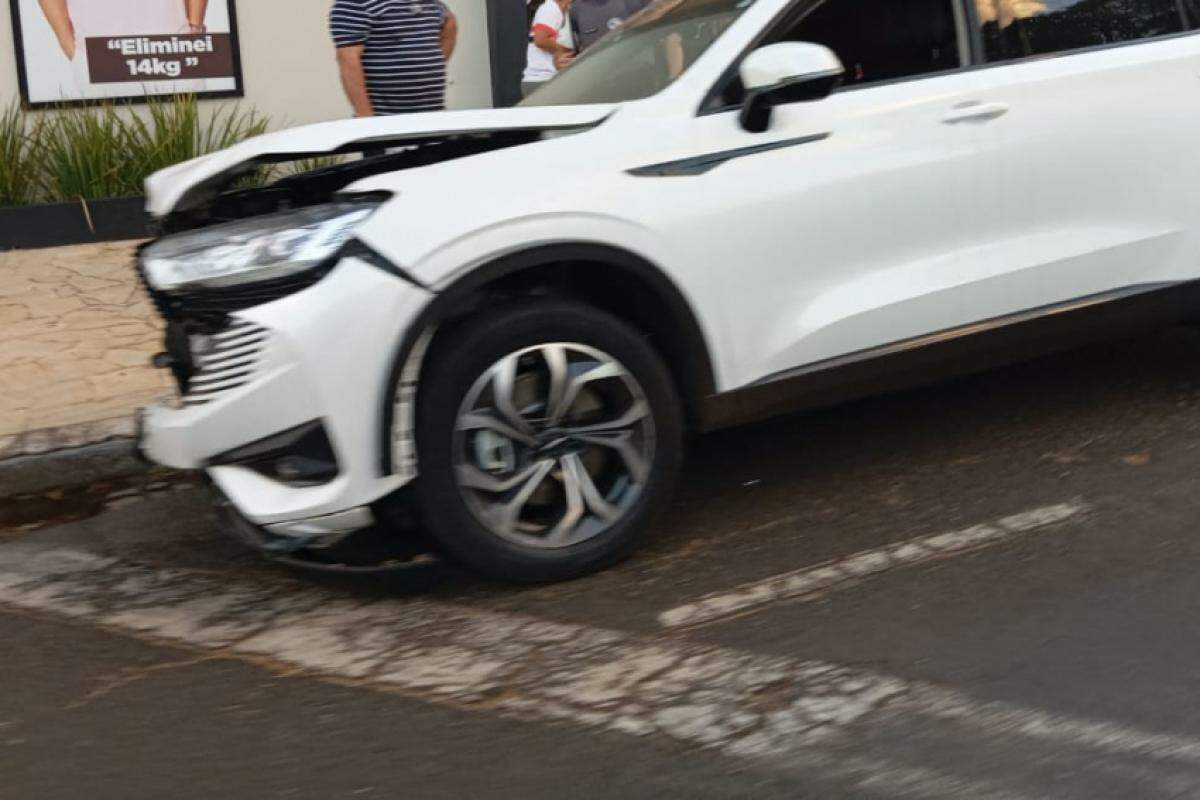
[{"x": 548, "y": 437}]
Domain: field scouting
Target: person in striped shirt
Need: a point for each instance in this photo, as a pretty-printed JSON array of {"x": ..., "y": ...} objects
[{"x": 392, "y": 54}]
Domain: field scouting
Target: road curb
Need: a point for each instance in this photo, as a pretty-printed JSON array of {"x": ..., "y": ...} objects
[{"x": 69, "y": 456}]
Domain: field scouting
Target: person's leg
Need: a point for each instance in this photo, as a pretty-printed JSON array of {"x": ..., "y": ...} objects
[{"x": 527, "y": 87}]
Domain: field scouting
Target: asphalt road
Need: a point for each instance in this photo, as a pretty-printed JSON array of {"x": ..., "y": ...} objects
[{"x": 983, "y": 588}]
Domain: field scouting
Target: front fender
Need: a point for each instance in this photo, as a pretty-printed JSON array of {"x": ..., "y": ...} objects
[
  {"x": 687, "y": 341},
  {"x": 458, "y": 257}
]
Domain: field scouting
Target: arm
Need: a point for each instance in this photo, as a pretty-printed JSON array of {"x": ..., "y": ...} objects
[
  {"x": 350, "y": 27},
  {"x": 60, "y": 22},
  {"x": 546, "y": 38},
  {"x": 354, "y": 80},
  {"x": 197, "y": 10},
  {"x": 674, "y": 45},
  {"x": 449, "y": 35}
]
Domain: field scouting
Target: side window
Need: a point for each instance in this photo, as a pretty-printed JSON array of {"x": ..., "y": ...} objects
[
  {"x": 1023, "y": 28},
  {"x": 879, "y": 40}
]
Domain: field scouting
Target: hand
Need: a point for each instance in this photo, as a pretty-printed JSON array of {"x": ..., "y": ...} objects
[{"x": 564, "y": 59}]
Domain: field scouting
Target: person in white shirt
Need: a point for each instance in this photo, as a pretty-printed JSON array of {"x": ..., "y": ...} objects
[
  {"x": 74, "y": 21},
  {"x": 551, "y": 44}
]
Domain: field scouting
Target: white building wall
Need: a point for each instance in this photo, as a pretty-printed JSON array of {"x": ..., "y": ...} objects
[
  {"x": 470, "y": 69},
  {"x": 288, "y": 64},
  {"x": 8, "y": 60}
]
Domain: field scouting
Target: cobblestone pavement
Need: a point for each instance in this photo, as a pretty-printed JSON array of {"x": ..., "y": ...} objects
[{"x": 78, "y": 333}]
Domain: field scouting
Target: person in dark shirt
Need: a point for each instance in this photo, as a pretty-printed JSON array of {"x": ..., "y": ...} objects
[
  {"x": 591, "y": 19},
  {"x": 392, "y": 53}
]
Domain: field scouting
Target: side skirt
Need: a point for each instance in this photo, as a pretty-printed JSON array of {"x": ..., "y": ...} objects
[{"x": 972, "y": 348}]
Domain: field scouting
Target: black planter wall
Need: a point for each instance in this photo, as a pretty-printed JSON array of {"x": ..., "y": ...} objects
[{"x": 57, "y": 224}]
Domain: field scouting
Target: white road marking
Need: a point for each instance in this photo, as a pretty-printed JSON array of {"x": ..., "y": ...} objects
[
  {"x": 789, "y": 711},
  {"x": 885, "y": 777},
  {"x": 966, "y": 712},
  {"x": 811, "y": 582},
  {"x": 695, "y": 693}
]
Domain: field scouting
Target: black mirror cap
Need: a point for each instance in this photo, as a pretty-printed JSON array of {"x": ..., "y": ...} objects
[{"x": 755, "y": 116}]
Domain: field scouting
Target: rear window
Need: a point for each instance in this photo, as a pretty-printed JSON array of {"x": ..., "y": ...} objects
[{"x": 1023, "y": 28}]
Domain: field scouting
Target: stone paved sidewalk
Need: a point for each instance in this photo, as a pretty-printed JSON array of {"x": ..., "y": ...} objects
[{"x": 76, "y": 337}]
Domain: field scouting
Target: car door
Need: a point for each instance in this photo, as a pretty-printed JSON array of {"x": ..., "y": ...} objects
[
  {"x": 1091, "y": 189},
  {"x": 855, "y": 221}
]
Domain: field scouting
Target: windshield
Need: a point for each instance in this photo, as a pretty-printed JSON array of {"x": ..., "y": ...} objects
[{"x": 643, "y": 56}]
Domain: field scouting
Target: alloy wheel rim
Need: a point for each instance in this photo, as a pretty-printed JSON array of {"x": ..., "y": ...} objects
[{"x": 553, "y": 445}]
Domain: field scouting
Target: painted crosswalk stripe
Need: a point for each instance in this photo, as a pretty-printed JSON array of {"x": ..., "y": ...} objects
[
  {"x": 468, "y": 657},
  {"x": 813, "y": 581},
  {"x": 786, "y": 710}
]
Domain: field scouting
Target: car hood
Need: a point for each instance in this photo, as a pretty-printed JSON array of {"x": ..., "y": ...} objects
[{"x": 183, "y": 184}]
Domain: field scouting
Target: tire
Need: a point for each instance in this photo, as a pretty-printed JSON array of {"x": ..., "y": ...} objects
[{"x": 466, "y": 491}]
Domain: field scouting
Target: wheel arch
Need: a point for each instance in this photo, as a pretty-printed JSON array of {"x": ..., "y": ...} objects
[{"x": 614, "y": 279}]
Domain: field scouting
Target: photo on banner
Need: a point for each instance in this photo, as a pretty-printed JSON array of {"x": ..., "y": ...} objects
[{"x": 84, "y": 50}]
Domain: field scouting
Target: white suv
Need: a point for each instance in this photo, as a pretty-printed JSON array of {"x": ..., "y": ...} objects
[{"x": 507, "y": 320}]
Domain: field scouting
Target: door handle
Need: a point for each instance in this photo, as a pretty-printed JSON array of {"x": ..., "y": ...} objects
[{"x": 975, "y": 111}]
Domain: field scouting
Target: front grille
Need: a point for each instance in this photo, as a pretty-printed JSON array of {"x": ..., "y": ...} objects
[
  {"x": 214, "y": 304},
  {"x": 223, "y": 361},
  {"x": 156, "y": 297}
]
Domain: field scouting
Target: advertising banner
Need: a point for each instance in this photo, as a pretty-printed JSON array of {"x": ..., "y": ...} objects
[{"x": 80, "y": 50}]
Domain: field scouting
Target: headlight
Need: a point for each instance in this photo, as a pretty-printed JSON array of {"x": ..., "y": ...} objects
[{"x": 258, "y": 249}]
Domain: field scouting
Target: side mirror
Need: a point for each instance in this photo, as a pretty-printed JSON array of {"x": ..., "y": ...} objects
[{"x": 787, "y": 72}]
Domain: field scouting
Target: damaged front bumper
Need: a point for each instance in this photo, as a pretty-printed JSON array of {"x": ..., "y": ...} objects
[
  {"x": 291, "y": 436},
  {"x": 348, "y": 542}
]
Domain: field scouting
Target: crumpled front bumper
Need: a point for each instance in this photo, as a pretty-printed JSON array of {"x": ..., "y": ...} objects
[
  {"x": 326, "y": 355},
  {"x": 366, "y": 549}
]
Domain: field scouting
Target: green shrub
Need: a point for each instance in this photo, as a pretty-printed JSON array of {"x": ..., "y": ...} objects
[
  {"x": 18, "y": 168},
  {"x": 302, "y": 165},
  {"x": 87, "y": 153},
  {"x": 177, "y": 131},
  {"x": 107, "y": 150}
]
